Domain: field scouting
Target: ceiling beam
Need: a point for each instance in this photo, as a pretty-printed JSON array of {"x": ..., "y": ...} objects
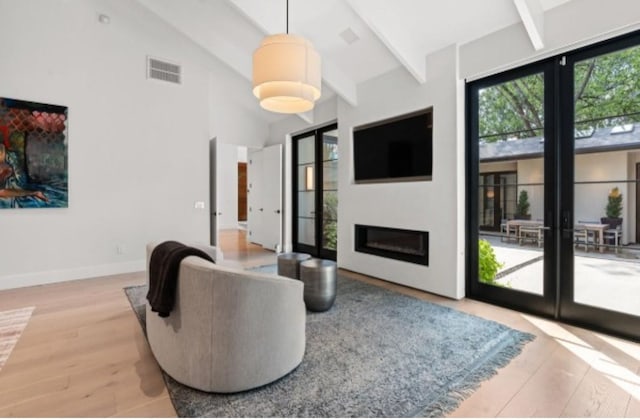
[
  {"x": 532, "y": 16},
  {"x": 392, "y": 33}
]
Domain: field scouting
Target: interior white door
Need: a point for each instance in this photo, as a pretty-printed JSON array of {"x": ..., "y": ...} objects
[
  {"x": 227, "y": 184},
  {"x": 272, "y": 197},
  {"x": 254, "y": 197},
  {"x": 213, "y": 190}
]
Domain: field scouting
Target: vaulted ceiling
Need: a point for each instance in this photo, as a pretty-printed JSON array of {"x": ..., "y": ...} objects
[{"x": 357, "y": 39}]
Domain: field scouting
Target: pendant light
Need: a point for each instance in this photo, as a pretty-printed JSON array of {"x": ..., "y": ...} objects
[{"x": 286, "y": 73}]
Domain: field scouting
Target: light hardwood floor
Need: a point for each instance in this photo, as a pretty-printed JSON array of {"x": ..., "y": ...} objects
[{"x": 83, "y": 354}]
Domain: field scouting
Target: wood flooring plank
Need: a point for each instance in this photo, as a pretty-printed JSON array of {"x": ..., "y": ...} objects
[
  {"x": 549, "y": 389},
  {"x": 597, "y": 396},
  {"x": 493, "y": 395},
  {"x": 633, "y": 408},
  {"x": 158, "y": 408}
]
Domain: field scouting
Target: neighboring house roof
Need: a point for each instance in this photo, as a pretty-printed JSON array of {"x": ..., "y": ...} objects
[{"x": 600, "y": 141}]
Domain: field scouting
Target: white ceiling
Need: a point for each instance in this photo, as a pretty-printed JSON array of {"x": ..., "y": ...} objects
[{"x": 391, "y": 33}]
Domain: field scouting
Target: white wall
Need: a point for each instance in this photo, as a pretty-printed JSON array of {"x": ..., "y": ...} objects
[
  {"x": 531, "y": 171},
  {"x": 427, "y": 205},
  {"x": 138, "y": 149},
  {"x": 498, "y": 167},
  {"x": 591, "y": 199}
]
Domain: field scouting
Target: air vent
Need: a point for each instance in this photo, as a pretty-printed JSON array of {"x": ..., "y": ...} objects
[
  {"x": 349, "y": 36},
  {"x": 163, "y": 70}
]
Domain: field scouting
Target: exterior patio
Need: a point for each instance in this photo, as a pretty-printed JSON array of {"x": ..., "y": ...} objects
[{"x": 608, "y": 280}]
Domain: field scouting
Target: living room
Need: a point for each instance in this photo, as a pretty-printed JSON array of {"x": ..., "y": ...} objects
[{"x": 138, "y": 164}]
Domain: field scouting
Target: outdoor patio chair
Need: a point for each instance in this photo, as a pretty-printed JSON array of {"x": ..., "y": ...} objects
[
  {"x": 582, "y": 236},
  {"x": 507, "y": 231},
  {"x": 531, "y": 233},
  {"x": 613, "y": 235}
]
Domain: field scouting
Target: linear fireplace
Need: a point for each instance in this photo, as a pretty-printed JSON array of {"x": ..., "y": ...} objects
[{"x": 399, "y": 244}]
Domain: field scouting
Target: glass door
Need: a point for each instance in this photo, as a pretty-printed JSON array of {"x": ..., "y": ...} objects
[
  {"x": 562, "y": 136},
  {"x": 511, "y": 211},
  {"x": 315, "y": 186},
  {"x": 601, "y": 264}
]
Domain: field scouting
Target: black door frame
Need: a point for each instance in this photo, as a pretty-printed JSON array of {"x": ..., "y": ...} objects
[
  {"x": 557, "y": 301},
  {"x": 638, "y": 203},
  {"x": 544, "y": 304},
  {"x": 317, "y": 250},
  {"x": 498, "y": 199},
  {"x": 625, "y": 325}
]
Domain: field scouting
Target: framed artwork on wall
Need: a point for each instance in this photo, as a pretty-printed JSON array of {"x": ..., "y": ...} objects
[{"x": 33, "y": 155}]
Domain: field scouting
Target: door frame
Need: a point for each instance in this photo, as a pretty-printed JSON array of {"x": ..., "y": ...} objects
[
  {"x": 544, "y": 304},
  {"x": 597, "y": 318},
  {"x": 497, "y": 198},
  {"x": 558, "y": 300},
  {"x": 317, "y": 250},
  {"x": 637, "y": 203}
]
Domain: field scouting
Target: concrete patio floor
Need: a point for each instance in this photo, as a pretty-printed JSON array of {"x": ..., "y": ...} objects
[{"x": 606, "y": 280}]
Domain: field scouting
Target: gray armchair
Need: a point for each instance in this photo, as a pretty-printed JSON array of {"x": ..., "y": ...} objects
[{"x": 230, "y": 330}]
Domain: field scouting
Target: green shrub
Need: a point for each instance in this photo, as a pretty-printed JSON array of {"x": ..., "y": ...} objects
[
  {"x": 488, "y": 263},
  {"x": 330, "y": 215},
  {"x": 614, "y": 203},
  {"x": 522, "y": 206}
]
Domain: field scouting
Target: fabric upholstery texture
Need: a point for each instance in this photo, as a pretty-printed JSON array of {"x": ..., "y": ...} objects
[{"x": 230, "y": 330}]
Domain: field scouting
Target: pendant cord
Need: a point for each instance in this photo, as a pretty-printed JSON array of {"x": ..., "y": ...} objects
[{"x": 287, "y": 17}]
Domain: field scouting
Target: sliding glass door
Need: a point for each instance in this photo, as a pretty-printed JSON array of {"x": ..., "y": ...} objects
[
  {"x": 563, "y": 137},
  {"x": 315, "y": 187}
]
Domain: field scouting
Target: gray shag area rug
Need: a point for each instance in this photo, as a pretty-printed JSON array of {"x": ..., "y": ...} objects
[{"x": 375, "y": 353}]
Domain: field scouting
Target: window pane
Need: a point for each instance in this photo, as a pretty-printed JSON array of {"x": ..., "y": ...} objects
[
  {"x": 511, "y": 187},
  {"x": 606, "y": 169}
]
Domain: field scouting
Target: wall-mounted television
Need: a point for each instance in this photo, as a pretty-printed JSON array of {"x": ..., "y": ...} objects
[{"x": 396, "y": 149}]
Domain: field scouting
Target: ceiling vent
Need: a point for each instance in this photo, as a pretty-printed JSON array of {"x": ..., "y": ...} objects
[
  {"x": 349, "y": 36},
  {"x": 163, "y": 70}
]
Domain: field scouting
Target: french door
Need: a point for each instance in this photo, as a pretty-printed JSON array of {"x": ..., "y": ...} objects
[
  {"x": 568, "y": 128},
  {"x": 315, "y": 192}
]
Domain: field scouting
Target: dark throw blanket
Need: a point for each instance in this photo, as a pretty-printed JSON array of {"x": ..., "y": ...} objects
[{"x": 163, "y": 274}]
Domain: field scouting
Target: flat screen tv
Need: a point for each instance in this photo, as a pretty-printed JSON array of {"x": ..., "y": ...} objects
[{"x": 397, "y": 149}]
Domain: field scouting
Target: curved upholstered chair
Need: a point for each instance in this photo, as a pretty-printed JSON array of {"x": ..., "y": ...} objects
[{"x": 230, "y": 330}]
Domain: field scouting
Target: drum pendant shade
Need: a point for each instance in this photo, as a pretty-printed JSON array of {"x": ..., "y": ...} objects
[{"x": 286, "y": 74}]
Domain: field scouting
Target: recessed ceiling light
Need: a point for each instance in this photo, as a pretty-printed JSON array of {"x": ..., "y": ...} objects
[
  {"x": 349, "y": 36},
  {"x": 105, "y": 19}
]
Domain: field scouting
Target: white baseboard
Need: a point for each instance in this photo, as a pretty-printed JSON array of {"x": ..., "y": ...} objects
[{"x": 57, "y": 276}]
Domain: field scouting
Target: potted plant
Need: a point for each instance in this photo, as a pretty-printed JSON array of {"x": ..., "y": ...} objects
[
  {"x": 522, "y": 206},
  {"x": 613, "y": 209}
]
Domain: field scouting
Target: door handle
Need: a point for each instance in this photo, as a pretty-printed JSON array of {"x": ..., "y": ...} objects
[
  {"x": 567, "y": 223},
  {"x": 261, "y": 209},
  {"x": 277, "y": 211}
]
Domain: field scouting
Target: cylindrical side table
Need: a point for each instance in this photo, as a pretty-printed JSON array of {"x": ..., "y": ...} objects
[
  {"x": 319, "y": 278},
  {"x": 289, "y": 264}
]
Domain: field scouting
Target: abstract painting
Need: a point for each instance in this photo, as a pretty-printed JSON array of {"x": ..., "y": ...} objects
[{"x": 33, "y": 155}]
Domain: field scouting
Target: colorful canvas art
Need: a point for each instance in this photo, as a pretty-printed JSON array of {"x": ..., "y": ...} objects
[{"x": 33, "y": 155}]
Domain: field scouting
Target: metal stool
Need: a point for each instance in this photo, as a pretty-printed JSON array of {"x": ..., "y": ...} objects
[
  {"x": 319, "y": 278},
  {"x": 289, "y": 264}
]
